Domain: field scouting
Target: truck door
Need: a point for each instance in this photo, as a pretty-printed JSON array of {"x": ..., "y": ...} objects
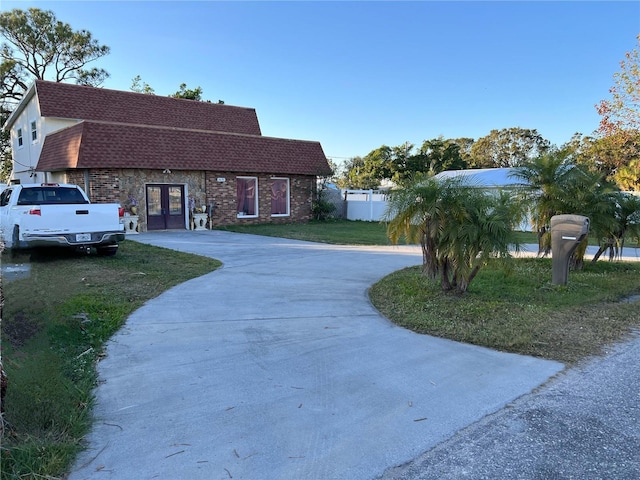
[
  {"x": 5, "y": 210},
  {"x": 165, "y": 207}
]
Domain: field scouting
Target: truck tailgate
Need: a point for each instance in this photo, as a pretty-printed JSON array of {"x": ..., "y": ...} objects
[{"x": 83, "y": 218}]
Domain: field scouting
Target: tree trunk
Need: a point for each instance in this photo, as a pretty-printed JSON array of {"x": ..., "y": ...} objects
[
  {"x": 445, "y": 282},
  {"x": 600, "y": 251},
  {"x": 429, "y": 261},
  {"x": 463, "y": 285}
]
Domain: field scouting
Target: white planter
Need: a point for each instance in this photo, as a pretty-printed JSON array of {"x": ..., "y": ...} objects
[
  {"x": 130, "y": 223},
  {"x": 200, "y": 221}
]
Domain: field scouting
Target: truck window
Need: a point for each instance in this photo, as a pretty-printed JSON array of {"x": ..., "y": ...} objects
[
  {"x": 71, "y": 195},
  {"x": 50, "y": 196},
  {"x": 4, "y": 197},
  {"x": 29, "y": 196}
]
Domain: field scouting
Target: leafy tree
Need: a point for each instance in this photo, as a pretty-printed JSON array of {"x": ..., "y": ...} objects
[
  {"x": 613, "y": 155},
  {"x": 622, "y": 111},
  {"x": 367, "y": 172},
  {"x": 6, "y": 164},
  {"x": 628, "y": 176},
  {"x": 617, "y": 149},
  {"x": 459, "y": 227},
  {"x": 464, "y": 149},
  {"x": 138, "y": 86},
  {"x": 575, "y": 150},
  {"x": 42, "y": 47},
  {"x": 38, "y": 46},
  {"x": 335, "y": 171},
  {"x": 321, "y": 208},
  {"x": 341, "y": 174},
  {"x": 401, "y": 163},
  {"x": 439, "y": 154},
  {"x": 509, "y": 147},
  {"x": 189, "y": 94}
]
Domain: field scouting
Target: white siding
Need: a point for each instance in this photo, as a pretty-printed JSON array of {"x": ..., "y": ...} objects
[{"x": 26, "y": 158}]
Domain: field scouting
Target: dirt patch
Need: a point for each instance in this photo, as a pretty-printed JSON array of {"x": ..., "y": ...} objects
[{"x": 19, "y": 329}]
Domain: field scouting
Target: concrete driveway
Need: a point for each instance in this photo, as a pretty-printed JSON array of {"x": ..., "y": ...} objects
[{"x": 276, "y": 366}]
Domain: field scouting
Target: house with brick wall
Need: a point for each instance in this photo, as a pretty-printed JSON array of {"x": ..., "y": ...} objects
[{"x": 168, "y": 156}]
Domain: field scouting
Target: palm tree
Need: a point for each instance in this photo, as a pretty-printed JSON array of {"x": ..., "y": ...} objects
[
  {"x": 415, "y": 212},
  {"x": 557, "y": 186},
  {"x": 544, "y": 178},
  {"x": 587, "y": 193},
  {"x": 625, "y": 223},
  {"x": 459, "y": 226}
]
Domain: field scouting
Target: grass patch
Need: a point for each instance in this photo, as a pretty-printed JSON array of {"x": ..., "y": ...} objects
[
  {"x": 337, "y": 232},
  {"x": 55, "y": 324},
  {"x": 350, "y": 232},
  {"x": 518, "y": 310}
]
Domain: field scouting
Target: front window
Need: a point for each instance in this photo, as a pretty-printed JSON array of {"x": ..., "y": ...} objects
[
  {"x": 247, "y": 196},
  {"x": 20, "y": 140},
  {"x": 34, "y": 131},
  {"x": 279, "y": 196}
]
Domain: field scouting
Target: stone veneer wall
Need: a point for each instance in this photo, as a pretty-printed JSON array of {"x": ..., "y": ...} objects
[
  {"x": 115, "y": 186},
  {"x": 133, "y": 182}
]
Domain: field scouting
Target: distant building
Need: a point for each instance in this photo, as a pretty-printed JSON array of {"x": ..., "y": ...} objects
[{"x": 485, "y": 177}]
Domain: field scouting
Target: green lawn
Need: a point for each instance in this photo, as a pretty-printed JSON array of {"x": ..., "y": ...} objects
[
  {"x": 55, "y": 323},
  {"x": 517, "y": 309},
  {"x": 340, "y": 232}
]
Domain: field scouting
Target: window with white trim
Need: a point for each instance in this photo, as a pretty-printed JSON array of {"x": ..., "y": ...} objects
[
  {"x": 34, "y": 131},
  {"x": 279, "y": 197},
  {"x": 20, "y": 140},
  {"x": 247, "y": 196}
]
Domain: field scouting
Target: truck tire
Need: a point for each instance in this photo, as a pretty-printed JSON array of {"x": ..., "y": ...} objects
[
  {"x": 15, "y": 238},
  {"x": 107, "y": 251}
]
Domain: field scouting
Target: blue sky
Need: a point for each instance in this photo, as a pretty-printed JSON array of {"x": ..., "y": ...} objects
[{"x": 357, "y": 75}]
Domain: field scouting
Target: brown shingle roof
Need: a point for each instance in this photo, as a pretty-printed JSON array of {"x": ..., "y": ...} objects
[
  {"x": 111, "y": 145},
  {"x": 64, "y": 100}
]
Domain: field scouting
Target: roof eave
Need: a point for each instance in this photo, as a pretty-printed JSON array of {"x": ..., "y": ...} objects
[{"x": 26, "y": 98}]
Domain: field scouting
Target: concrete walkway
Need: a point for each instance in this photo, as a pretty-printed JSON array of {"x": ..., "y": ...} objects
[{"x": 276, "y": 366}]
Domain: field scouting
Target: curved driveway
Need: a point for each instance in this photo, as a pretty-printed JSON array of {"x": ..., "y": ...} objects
[{"x": 276, "y": 366}]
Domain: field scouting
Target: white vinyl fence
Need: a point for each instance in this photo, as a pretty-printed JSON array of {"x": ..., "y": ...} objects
[{"x": 368, "y": 205}]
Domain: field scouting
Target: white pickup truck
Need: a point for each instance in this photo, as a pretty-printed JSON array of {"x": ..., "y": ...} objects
[{"x": 58, "y": 215}]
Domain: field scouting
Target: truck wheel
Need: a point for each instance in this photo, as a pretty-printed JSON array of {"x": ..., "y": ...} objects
[
  {"x": 15, "y": 238},
  {"x": 108, "y": 251}
]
